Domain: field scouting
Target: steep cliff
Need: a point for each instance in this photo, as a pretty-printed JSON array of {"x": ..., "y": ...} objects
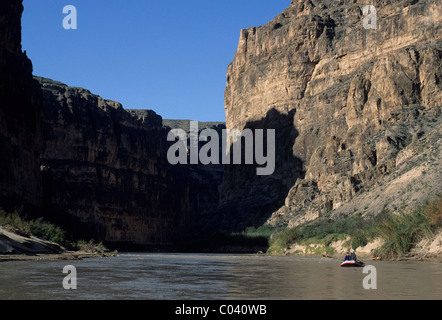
[
  {"x": 203, "y": 180},
  {"x": 105, "y": 171},
  {"x": 357, "y": 111},
  {"x": 357, "y": 115},
  {"x": 20, "y": 116},
  {"x": 87, "y": 164},
  {"x": 106, "y": 174}
]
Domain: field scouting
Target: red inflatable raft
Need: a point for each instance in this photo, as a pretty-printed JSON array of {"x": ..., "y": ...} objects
[{"x": 352, "y": 263}]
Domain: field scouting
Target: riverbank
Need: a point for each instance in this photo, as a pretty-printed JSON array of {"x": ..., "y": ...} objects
[
  {"x": 414, "y": 234},
  {"x": 401, "y": 236},
  {"x": 15, "y": 246},
  {"x": 428, "y": 250},
  {"x": 68, "y": 256}
]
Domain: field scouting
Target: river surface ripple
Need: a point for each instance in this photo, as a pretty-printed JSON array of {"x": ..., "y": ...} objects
[{"x": 144, "y": 276}]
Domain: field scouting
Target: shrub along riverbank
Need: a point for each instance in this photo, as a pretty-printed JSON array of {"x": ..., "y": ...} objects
[
  {"x": 399, "y": 233},
  {"x": 13, "y": 222},
  {"x": 16, "y": 224}
]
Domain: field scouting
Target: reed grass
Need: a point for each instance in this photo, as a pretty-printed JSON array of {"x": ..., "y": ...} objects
[{"x": 400, "y": 231}]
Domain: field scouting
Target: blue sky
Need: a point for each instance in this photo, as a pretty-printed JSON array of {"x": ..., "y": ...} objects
[{"x": 169, "y": 56}]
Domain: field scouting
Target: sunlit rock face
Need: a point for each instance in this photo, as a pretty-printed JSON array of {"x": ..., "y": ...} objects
[{"x": 351, "y": 99}]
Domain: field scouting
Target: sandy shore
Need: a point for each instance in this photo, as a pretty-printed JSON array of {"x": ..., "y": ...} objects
[
  {"x": 428, "y": 249},
  {"x": 68, "y": 255},
  {"x": 16, "y": 247}
]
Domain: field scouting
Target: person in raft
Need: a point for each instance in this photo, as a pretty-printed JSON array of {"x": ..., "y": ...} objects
[
  {"x": 353, "y": 256},
  {"x": 347, "y": 257}
]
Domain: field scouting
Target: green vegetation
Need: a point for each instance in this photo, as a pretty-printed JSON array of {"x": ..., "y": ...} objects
[
  {"x": 251, "y": 237},
  {"x": 321, "y": 231},
  {"x": 39, "y": 228},
  {"x": 264, "y": 231},
  {"x": 90, "y": 246},
  {"x": 48, "y": 231},
  {"x": 403, "y": 231},
  {"x": 400, "y": 232},
  {"x": 324, "y": 232}
]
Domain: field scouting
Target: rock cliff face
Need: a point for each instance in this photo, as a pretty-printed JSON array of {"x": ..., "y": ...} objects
[
  {"x": 203, "y": 184},
  {"x": 105, "y": 171},
  {"x": 359, "y": 109},
  {"x": 106, "y": 174},
  {"x": 357, "y": 115},
  {"x": 20, "y": 116},
  {"x": 87, "y": 164}
]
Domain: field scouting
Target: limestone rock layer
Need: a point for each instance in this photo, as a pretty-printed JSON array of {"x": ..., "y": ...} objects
[{"x": 357, "y": 101}]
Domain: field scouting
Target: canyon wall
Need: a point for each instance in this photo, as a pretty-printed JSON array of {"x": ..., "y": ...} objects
[
  {"x": 106, "y": 174},
  {"x": 204, "y": 182},
  {"x": 357, "y": 116},
  {"x": 105, "y": 171},
  {"x": 353, "y": 108},
  {"x": 87, "y": 164},
  {"x": 21, "y": 117}
]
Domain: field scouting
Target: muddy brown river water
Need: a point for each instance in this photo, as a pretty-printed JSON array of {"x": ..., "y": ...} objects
[{"x": 143, "y": 276}]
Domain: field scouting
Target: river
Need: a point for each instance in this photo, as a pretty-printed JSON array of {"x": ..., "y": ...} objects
[{"x": 146, "y": 276}]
